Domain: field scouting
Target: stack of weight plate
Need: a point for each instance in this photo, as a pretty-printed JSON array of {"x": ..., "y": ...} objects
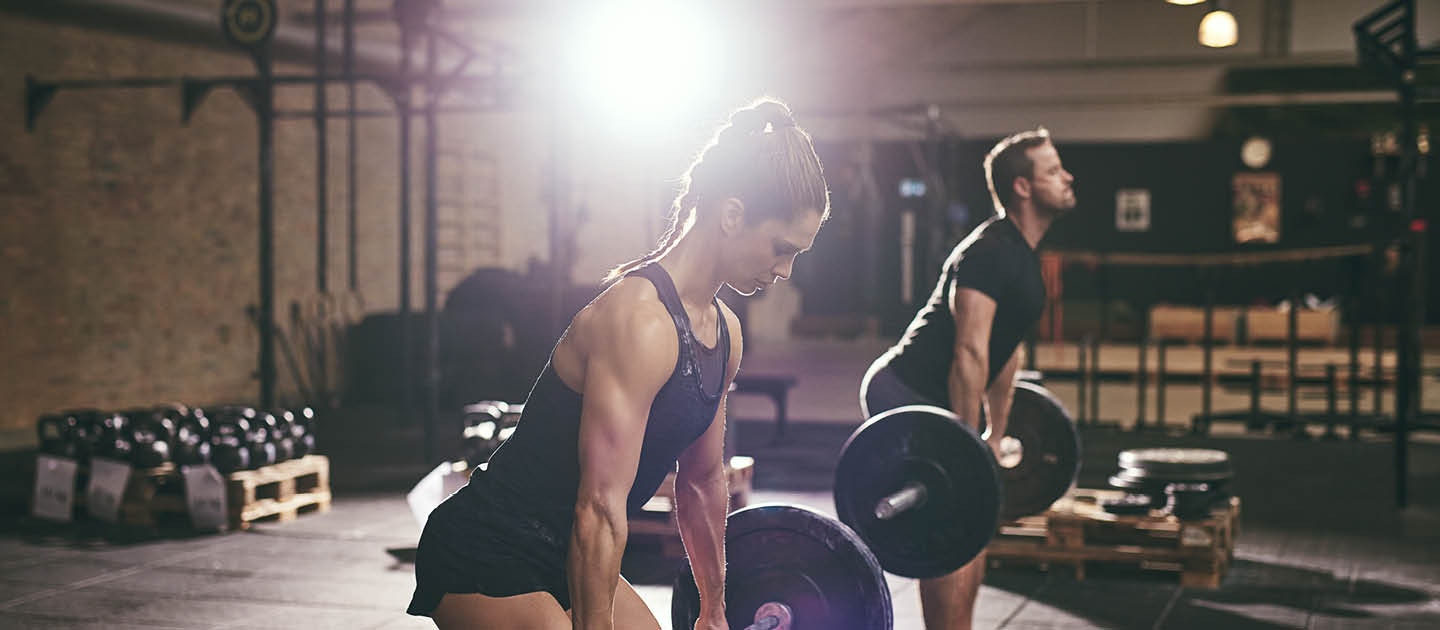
[{"x": 1186, "y": 482}]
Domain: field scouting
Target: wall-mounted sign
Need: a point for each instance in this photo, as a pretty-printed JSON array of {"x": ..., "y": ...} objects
[
  {"x": 1257, "y": 207},
  {"x": 1132, "y": 210}
]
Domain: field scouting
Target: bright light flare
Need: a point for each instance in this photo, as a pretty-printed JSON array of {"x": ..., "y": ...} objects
[
  {"x": 642, "y": 62},
  {"x": 1218, "y": 29}
]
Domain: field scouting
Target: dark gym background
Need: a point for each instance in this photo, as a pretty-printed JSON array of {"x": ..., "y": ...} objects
[{"x": 187, "y": 219}]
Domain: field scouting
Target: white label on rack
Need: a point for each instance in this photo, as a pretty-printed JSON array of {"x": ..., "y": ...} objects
[
  {"x": 107, "y": 488},
  {"x": 205, "y": 496},
  {"x": 54, "y": 488}
]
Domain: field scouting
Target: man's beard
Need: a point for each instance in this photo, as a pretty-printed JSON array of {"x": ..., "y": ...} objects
[{"x": 1056, "y": 211}]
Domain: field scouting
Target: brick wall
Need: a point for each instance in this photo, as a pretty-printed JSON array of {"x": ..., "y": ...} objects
[
  {"x": 129, "y": 246},
  {"x": 128, "y": 242}
]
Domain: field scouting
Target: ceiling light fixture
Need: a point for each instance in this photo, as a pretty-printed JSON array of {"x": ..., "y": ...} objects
[{"x": 1218, "y": 29}]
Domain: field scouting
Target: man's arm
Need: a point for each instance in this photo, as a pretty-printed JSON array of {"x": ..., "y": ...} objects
[
  {"x": 1001, "y": 392},
  {"x": 631, "y": 356},
  {"x": 702, "y": 497},
  {"x": 974, "y": 313}
]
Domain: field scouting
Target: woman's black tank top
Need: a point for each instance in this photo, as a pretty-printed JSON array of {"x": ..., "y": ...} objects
[{"x": 538, "y": 467}]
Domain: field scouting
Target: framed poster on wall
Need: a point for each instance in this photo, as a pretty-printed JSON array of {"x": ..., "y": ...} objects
[
  {"x": 1132, "y": 210},
  {"x": 1256, "y": 205}
]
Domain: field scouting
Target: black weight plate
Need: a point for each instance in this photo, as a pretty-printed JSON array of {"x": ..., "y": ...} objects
[
  {"x": 1128, "y": 504},
  {"x": 1163, "y": 477},
  {"x": 1049, "y": 454},
  {"x": 1125, "y": 480},
  {"x": 801, "y": 558},
  {"x": 929, "y": 445},
  {"x": 1156, "y": 489},
  {"x": 1176, "y": 461},
  {"x": 1189, "y": 500}
]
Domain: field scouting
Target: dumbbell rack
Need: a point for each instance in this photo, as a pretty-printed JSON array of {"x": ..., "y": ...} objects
[
  {"x": 279, "y": 492},
  {"x": 152, "y": 496},
  {"x": 1075, "y": 531},
  {"x": 656, "y": 523}
]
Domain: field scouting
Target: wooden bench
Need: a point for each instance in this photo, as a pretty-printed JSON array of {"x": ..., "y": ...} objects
[
  {"x": 1272, "y": 325},
  {"x": 776, "y": 386},
  {"x": 1187, "y": 323}
]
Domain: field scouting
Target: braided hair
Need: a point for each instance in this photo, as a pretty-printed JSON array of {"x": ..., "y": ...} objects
[{"x": 759, "y": 156}]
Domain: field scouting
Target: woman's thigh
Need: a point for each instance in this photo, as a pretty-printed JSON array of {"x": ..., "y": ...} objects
[
  {"x": 631, "y": 611},
  {"x": 534, "y": 611},
  {"x": 530, "y": 611}
]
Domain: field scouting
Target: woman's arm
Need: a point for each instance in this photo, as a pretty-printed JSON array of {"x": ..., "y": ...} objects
[
  {"x": 631, "y": 353},
  {"x": 702, "y": 498}
]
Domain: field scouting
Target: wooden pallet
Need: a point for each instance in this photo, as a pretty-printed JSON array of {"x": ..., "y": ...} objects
[
  {"x": 279, "y": 492},
  {"x": 656, "y": 523},
  {"x": 1077, "y": 532}
]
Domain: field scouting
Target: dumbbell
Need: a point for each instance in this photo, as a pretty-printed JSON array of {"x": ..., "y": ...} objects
[
  {"x": 791, "y": 568},
  {"x": 175, "y": 411},
  {"x": 262, "y": 449},
  {"x": 487, "y": 425},
  {"x": 73, "y": 434},
  {"x": 112, "y": 438},
  {"x": 57, "y": 434},
  {"x": 229, "y": 427},
  {"x": 150, "y": 433},
  {"x": 85, "y": 432},
  {"x": 192, "y": 439},
  {"x": 302, "y": 430},
  {"x": 283, "y": 437}
]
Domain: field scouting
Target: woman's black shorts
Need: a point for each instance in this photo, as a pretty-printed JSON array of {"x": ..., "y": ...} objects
[{"x": 477, "y": 541}]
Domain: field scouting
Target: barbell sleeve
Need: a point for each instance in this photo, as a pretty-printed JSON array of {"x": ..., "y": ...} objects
[
  {"x": 771, "y": 616},
  {"x": 769, "y": 622},
  {"x": 908, "y": 497}
]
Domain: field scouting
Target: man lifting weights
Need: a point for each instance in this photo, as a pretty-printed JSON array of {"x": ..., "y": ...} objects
[{"x": 962, "y": 350}]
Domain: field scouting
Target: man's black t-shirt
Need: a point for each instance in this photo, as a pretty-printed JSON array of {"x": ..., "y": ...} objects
[{"x": 995, "y": 260}]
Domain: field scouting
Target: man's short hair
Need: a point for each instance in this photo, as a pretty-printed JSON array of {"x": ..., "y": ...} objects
[{"x": 1007, "y": 160}]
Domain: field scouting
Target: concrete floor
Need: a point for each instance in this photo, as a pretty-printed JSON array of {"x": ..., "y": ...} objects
[{"x": 1322, "y": 545}]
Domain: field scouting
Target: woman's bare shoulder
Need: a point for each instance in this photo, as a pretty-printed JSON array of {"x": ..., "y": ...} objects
[{"x": 627, "y": 314}]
